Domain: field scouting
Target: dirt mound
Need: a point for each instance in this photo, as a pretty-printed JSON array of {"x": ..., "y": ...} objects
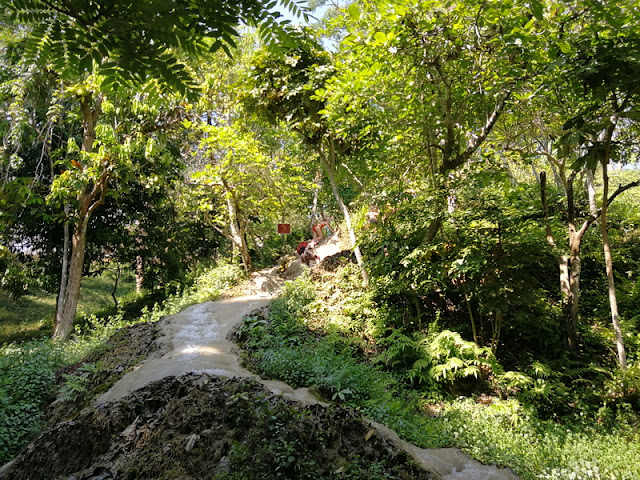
[
  {"x": 121, "y": 354},
  {"x": 333, "y": 262},
  {"x": 200, "y": 426}
]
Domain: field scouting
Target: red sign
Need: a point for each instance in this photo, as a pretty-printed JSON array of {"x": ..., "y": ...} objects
[{"x": 284, "y": 228}]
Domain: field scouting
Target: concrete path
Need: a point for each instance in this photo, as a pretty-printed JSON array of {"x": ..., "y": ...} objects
[{"x": 198, "y": 336}]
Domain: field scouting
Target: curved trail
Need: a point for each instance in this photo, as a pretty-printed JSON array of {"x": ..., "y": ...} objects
[{"x": 198, "y": 336}]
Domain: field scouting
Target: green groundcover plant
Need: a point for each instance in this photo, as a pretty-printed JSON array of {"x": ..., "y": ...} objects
[{"x": 507, "y": 431}]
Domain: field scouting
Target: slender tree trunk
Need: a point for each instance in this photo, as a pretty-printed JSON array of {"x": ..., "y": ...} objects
[
  {"x": 316, "y": 193},
  {"x": 473, "y": 322},
  {"x": 90, "y": 198},
  {"x": 507, "y": 167},
  {"x": 560, "y": 182},
  {"x": 237, "y": 234},
  {"x": 345, "y": 212},
  {"x": 536, "y": 175},
  {"x": 139, "y": 273},
  {"x": 495, "y": 335},
  {"x": 569, "y": 266},
  {"x": 613, "y": 302},
  {"x": 591, "y": 191},
  {"x": 573, "y": 300},
  {"x": 570, "y": 269},
  {"x": 115, "y": 286}
]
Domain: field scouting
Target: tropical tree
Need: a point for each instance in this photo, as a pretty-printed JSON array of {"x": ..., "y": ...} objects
[
  {"x": 603, "y": 67},
  {"x": 101, "y": 48},
  {"x": 242, "y": 184},
  {"x": 432, "y": 79},
  {"x": 285, "y": 88}
]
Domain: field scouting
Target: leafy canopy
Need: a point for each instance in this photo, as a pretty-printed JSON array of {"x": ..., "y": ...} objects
[{"x": 127, "y": 41}]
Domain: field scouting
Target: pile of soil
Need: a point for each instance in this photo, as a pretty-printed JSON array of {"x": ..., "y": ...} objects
[
  {"x": 123, "y": 352},
  {"x": 337, "y": 260},
  {"x": 200, "y": 426}
]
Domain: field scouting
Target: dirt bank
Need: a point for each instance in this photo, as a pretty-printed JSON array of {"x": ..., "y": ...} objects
[{"x": 200, "y": 426}]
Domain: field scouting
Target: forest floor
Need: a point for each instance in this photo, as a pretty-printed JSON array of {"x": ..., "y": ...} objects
[{"x": 175, "y": 403}]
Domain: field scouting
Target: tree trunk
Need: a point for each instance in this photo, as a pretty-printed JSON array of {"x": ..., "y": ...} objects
[
  {"x": 238, "y": 238},
  {"x": 115, "y": 286},
  {"x": 560, "y": 182},
  {"x": 536, "y": 175},
  {"x": 316, "y": 192},
  {"x": 613, "y": 302},
  {"x": 495, "y": 334},
  {"x": 345, "y": 212},
  {"x": 507, "y": 168},
  {"x": 473, "y": 322},
  {"x": 571, "y": 302},
  {"x": 139, "y": 273},
  {"x": 66, "y": 252},
  {"x": 569, "y": 266},
  {"x": 63, "y": 328},
  {"x": 591, "y": 191},
  {"x": 90, "y": 198}
]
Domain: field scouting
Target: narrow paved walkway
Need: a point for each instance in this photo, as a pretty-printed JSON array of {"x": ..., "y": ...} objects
[{"x": 198, "y": 336}]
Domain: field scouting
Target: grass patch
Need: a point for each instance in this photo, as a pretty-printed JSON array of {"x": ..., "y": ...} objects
[
  {"x": 31, "y": 315},
  {"x": 27, "y": 317}
]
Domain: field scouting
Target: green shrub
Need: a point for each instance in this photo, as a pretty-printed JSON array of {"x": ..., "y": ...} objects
[
  {"x": 508, "y": 433},
  {"x": 27, "y": 378},
  {"x": 316, "y": 364},
  {"x": 14, "y": 281},
  {"x": 624, "y": 383},
  {"x": 211, "y": 283},
  {"x": 298, "y": 294},
  {"x": 454, "y": 358}
]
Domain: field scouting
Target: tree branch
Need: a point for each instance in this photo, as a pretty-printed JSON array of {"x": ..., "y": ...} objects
[
  {"x": 484, "y": 133},
  {"x": 595, "y": 216},
  {"x": 545, "y": 208}
]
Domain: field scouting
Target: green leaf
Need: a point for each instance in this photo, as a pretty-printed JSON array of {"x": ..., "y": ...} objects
[
  {"x": 537, "y": 8},
  {"x": 354, "y": 12},
  {"x": 380, "y": 37}
]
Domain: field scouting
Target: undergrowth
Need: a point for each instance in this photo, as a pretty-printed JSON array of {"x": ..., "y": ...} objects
[
  {"x": 28, "y": 369},
  {"x": 307, "y": 340}
]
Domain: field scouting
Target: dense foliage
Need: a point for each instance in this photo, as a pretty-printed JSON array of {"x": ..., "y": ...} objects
[
  {"x": 319, "y": 340},
  {"x": 480, "y": 159}
]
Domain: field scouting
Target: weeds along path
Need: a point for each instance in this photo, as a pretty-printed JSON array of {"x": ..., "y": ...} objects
[{"x": 198, "y": 336}]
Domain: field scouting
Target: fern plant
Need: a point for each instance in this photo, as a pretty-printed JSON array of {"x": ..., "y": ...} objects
[
  {"x": 453, "y": 358},
  {"x": 77, "y": 385},
  {"x": 400, "y": 350}
]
